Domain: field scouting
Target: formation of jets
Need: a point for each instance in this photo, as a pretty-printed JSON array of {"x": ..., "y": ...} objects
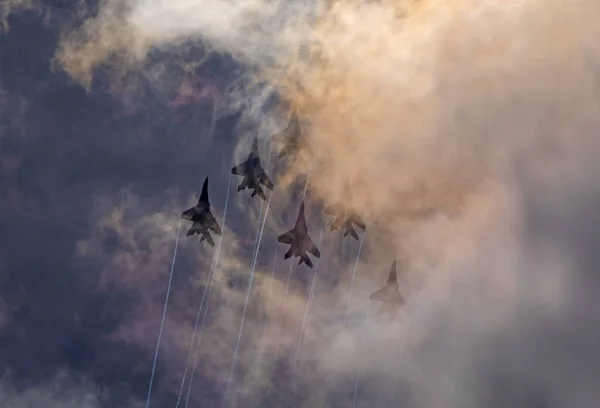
[{"x": 255, "y": 176}]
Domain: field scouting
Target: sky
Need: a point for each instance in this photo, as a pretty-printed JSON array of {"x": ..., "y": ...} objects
[{"x": 468, "y": 132}]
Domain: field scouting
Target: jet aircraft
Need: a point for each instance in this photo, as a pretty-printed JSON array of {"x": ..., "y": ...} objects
[
  {"x": 292, "y": 139},
  {"x": 202, "y": 218},
  {"x": 299, "y": 240},
  {"x": 389, "y": 295},
  {"x": 253, "y": 173},
  {"x": 345, "y": 215}
]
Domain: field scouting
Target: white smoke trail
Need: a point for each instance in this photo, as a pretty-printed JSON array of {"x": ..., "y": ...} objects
[
  {"x": 249, "y": 290},
  {"x": 191, "y": 349},
  {"x": 210, "y": 282},
  {"x": 210, "y": 272},
  {"x": 348, "y": 303},
  {"x": 266, "y": 323},
  {"x": 308, "y": 302},
  {"x": 289, "y": 277},
  {"x": 352, "y": 279},
  {"x": 358, "y": 365},
  {"x": 400, "y": 354},
  {"x": 162, "y": 322}
]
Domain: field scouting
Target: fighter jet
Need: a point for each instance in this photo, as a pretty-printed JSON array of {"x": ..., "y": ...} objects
[
  {"x": 299, "y": 240},
  {"x": 345, "y": 215},
  {"x": 390, "y": 296},
  {"x": 291, "y": 138},
  {"x": 253, "y": 173},
  {"x": 202, "y": 218}
]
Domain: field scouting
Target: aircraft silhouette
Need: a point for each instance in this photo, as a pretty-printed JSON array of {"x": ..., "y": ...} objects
[
  {"x": 292, "y": 139},
  {"x": 253, "y": 173},
  {"x": 299, "y": 240},
  {"x": 345, "y": 215},
  {"x": 389, "y": 295},
  {"x": 202, "y": 218}
]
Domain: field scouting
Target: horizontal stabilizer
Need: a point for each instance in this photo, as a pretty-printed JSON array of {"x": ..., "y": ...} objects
[
  {"x": 212, "y": 223},
  {"x": 287, "y": 150},
  {"x": 206, "y": 236},
  {"x": 260, "y": 193},
  {"x": 355, "y": 219},
  {"x": 350, "y": 230},
  {"x": 305, "y": 259},
  {"x": 288, "y": 254},
  {"x": 264, "y": 179},
  {"x": 312, "y": 248}
]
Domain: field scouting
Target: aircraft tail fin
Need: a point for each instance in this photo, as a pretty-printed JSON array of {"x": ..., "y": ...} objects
[
  {"x": 393, "y": 278},
  {"x": 305, "y": 259},
  {"x": 287, "y": 149},
  {"x": 206, "y": 236},
  {"x": 288, "y": 254},
  {"x": 204, "y": 194},
  {"x": 191, "y": 231},
  {"x": 260, "y": 193},
  {"x": 350, "y": 230}
]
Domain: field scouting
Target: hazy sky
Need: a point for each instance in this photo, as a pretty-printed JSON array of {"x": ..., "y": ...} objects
[{"x": 469, "y": 131}]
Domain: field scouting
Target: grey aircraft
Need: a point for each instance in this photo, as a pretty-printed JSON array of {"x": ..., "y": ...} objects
[
  {"x": 390, "y": 296},
  {"x": 345, "y": 215},
  {"x": 292, "y": 139},
  {"x": 202, "y": 218},
  {"x": 253, "y": 173},
  {"x": 299, "y": 240}
]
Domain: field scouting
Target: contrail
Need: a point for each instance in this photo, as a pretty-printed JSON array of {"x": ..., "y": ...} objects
[
  {"x": 308, "y": 302},
  {"x": 162, "y": 322},
  {"x": 400, "y": 359},
  {"x": 210, "y": 273},
  {"x": 287, "y": 288},
  {"x": 289, "y": 277},
  {"x": 358, "y": 365},
  {"x": 257, "y": 240},
  {"x": 248, "y": 291},
  {"x": 347, "y": 303},
  {"x": 210, "y": 283},
  {"x": 206, "y": 289},
  {"x": 352, "y": 280},
  {"x": 266, "y": 324}
]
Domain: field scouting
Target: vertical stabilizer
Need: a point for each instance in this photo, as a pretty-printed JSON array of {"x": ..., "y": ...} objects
[
  {"x": 204, "y": 194},
  {"x": 393, "y": 278}
]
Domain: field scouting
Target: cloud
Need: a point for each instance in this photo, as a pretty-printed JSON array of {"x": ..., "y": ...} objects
[
  {"x": 468, "y": 131},
  {"x": 12, "y": 6},
  {"x": 63, "y": 393}
]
